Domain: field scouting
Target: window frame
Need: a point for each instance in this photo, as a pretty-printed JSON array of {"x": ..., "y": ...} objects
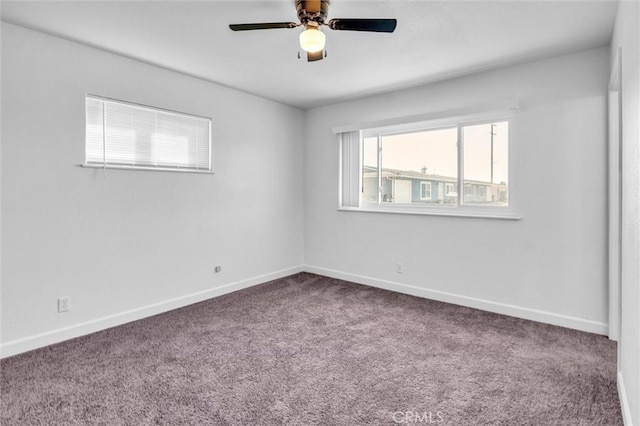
[
  {"x": 446, "y": 189},
  {"x": 141, "y": 167},
  {"x": 459, "y": 209},
  {"x": 425, "y": 185}
]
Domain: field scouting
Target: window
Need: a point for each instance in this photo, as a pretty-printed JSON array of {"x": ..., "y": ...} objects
[
  {"x": 450, "y": 190},
  {"x": 456, "y": 166},
  {"x": 425, "y": 190},
  {"x": 486, "y": 163},
  {"x": 125, "y": 135}
]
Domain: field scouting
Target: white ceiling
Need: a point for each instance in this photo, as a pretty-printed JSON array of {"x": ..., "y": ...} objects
[{"x": 434, "y": 40}]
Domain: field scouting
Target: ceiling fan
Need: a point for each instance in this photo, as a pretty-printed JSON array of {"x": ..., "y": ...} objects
[{"x": 312, "y": 15}]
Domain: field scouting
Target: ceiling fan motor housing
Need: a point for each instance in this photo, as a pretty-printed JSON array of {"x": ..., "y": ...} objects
[
  {"x": 312, "y": 15},
  {"x": 312, "y": 11}
]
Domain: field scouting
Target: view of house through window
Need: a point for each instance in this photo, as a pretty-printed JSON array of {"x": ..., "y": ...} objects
[{"x": 426, "y": 167}]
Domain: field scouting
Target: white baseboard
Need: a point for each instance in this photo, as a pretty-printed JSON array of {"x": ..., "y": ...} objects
[
  {"x": 471, "y": 302},
  {"x": 624, "y": 401},
  {"x": 17, "y": 346}
]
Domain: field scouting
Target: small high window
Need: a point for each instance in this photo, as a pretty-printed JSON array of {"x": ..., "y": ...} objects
[{"x": 125, "y": 135}]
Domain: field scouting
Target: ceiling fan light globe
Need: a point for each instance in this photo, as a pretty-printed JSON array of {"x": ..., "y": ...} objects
[{"x": 312, "y": 40}]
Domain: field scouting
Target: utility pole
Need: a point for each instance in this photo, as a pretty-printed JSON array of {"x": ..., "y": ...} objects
[{"x": 492, "y": 135}]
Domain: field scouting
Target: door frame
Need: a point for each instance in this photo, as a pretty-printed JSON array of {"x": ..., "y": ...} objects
[{"x": 615, "y": 196}]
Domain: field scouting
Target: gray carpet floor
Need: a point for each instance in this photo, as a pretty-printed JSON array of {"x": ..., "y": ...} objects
[{"x": 307, "y": 350}]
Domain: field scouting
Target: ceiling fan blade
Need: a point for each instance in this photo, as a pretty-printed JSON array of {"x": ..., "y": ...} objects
[
  {"x": 373, "y": 25},
  {"x": 315, "y": 56},
  {"x": 263, "y": 26}
]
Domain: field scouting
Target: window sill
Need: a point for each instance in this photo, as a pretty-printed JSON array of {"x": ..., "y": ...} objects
[
  {"x": 481, "y": 213},
  {"x": 146, "y": 169}
]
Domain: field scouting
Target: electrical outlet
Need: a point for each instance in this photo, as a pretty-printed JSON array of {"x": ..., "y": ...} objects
[
  {"x": 63, "y": 304},
  {"x": 217, "y": 269},
  {"x": 399, "y": 268}
]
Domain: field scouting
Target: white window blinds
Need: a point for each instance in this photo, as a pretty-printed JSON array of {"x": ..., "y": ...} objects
[
  {"x": 350, "y": 171},
  {"x": 121, "y": 134}
]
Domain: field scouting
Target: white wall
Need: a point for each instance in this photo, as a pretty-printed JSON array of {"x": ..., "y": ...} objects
[
  {"x": 626, "y": 36},
  {"x": 550, "y": 265},
  {"x": 138, "y": 242}
]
